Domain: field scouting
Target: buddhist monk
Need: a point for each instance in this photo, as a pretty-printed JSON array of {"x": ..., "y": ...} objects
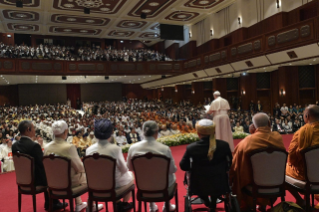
[
  {"x": 240, "y": 172},
  {"x": 306, "y": 136}
]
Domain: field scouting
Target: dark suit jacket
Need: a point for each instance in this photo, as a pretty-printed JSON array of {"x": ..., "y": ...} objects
[
  {"x": 209, "y": 175},
  {"x": 275, "y": 128},
  {"x": 29, "y": 147},
  {"x": 261, "y": 108}
]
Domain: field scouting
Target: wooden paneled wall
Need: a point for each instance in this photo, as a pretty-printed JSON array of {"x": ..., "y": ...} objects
[
  {"x": 172, "y": 51},
  {"x": 7, "y": 40}
]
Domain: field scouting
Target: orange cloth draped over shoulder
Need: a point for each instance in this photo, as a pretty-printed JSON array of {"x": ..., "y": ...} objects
[
  {"x": 306, "y": 136},
  {"x": 240, "y": 172}
]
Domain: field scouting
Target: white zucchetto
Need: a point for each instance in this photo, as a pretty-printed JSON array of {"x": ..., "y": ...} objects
[{"x": 58, "y": 127}]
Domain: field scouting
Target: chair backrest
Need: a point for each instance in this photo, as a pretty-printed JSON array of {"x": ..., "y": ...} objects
[
  {"x": 58, "y": 172},
  {"x": 311, "y": 158},
  {"x": 24, "y": 168},
  {"x": 151, "y": 172},
  {"x": 268, "y": 167},
  {"x": 100, "y": 172}
]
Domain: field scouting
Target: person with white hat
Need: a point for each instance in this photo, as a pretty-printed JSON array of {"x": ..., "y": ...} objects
[
  {"x": 60, "y": 147},
  {"x": 219, "y": 108}
]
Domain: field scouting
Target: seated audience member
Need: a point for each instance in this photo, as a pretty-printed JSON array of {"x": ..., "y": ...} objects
[
  {"x": 296, "y": 125},
  {"x": 238, "y": 128},
  {"x": 278, "y": 128},
  {"x": 103, "y": 130},
  {"x": 284, "y": 110},
  {"x": 175, "y": 130},
  {"x": 121, "y": 139},
  {"x": 208, "y": 152},
  {"x": 6, "y": 157},
  {"x": 165, "y": 131},
  {"x": 287, "y": 127},
  {"x": 240, "y": 172},
  {"x": 92, "y": 138},
  {"x": 150, "y": 129},
  {"x": 246, "y": 127},
  {"x": 61, "y": 148},
  {"x": 133, "y": 137},
  {"x": 306, "y": 136},
  {"x": 26, "y": 145},
  {"x": 77, "y": 139}
]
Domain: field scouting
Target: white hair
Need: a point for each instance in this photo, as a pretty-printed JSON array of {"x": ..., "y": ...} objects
[
  {"x": 260, "y": 120},
  {"x": 150, "y": 128}
]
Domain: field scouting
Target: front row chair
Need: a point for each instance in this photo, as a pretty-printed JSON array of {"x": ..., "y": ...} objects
[
  {"x": 311, "y": 184},
  {"x": 24, "y": 169},
  {"x": 268, "y": 167},
  {"x": 100, "y": 173},
  {"x": 58, "y": 173},
  {"x": 151, "y": 173}
]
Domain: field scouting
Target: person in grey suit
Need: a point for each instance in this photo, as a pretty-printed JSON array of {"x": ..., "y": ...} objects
[{"x": 150, "y": 130}]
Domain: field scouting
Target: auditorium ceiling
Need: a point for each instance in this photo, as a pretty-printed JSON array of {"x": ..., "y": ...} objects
[
  {"x": 35, "y": 79},
  {"x": 107, "y": 19}
]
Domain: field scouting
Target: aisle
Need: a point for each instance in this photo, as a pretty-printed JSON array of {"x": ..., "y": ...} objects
[{"x": 9, "y": 196}]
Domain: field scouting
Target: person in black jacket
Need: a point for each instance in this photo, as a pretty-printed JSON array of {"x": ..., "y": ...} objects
[
  {"x": 211, "y": 160},
  {"x": 26, "y": 145}
]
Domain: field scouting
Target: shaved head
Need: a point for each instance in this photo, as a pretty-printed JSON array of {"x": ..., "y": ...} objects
[
  {"x": 261, "y": 120},
  {"x": 313, "y": 112}
]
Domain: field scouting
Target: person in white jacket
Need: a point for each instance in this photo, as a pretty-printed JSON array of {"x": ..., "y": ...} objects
[{"x": 150, "y": 130}]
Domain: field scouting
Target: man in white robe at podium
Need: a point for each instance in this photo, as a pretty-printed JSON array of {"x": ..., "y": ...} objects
[{"x": 219, "y": 108}]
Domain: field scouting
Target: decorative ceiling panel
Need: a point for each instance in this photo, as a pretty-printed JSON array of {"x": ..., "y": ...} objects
[
  {"x": 26, "y": 3},
  {"x": 155, "y": 27},
  {"x": 117, "y": 33},
  {"x": 66, "y": 30},
  {"x": 131, "y": 24},
  {"x": 151, "y": 8},
  {"x": 202, "y": 4},
  {"x": 20, "y": 15},
  {"x": 149, "y": 35},
  {"x": 96, "y": 6},
  {"x": 23, "y": 27},
  {"x": 182, "y": 16},
  {"x": 81, "y": 20}
]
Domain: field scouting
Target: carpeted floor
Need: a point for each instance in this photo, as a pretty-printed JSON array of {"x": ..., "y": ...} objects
[{"x": 9, "y": 193}]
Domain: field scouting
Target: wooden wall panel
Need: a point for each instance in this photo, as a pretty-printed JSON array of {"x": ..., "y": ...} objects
[
  {"x": 160, "y": 47},
  {"x": 172, "y": 51},
  {"x": 136, "y": 91},
  {"x": 7, "y": 40},
  {"x": 9, "y": 95},
  {"x": 288, "y": 81},
  {"x": 188, "y": 50},
  {"x": 73, "y": 92},
  {"x": 248, "y": 84}
]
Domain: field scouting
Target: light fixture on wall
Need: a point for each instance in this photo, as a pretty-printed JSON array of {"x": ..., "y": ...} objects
[
  {"x": 190, "y": 35},
  {"x": 193, "y": 91},
  {"x": 211, "y": 32},
  {"x": 282, "y": 92},
  {"x": 243, "y": 92},
  {"x": 277, "y": 3},
  {"x": 239, "y": 20},
  {"x": 176, "y": 90},
  {"x": 162, "y": 89}
]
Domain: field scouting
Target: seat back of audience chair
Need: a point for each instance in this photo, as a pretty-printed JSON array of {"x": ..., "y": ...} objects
[
  {"x": 151, "y": 172},
  {"x": 311, "y": 157},
  {"x": 268, "y": 169},
  {"x": 100, "y": 173},
  {"x": 24, "y": 169},
  {"x": 58, "y": 173}
]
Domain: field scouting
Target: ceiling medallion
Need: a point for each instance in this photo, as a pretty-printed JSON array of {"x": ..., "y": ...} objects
[
  {"x": 21, "y": 15},
  {"x": 131, "y": 24},
  {"x": 203, "y": 2},
  {"x": 23, "y": 27},
  {"x": 69, "y": 5},
  {"x": 67, "y": 30},
  {"x": 84, "y": 31},
  {"x": 154, "y": 4},
  {"x": 89, "y": 21},
  {"x": 104, "y": 9},
  {"x": 89, "y": 3},
  {"x": 71, "y": 19},
  {"x": 120, "y": 33},
  {"x": 146, "y": 11},
  {"x": 181, "y": 16}
]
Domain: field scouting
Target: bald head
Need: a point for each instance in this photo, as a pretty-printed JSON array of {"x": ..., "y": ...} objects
[
  {"x": 261, "y": 120},
  {"x": 312, "y": 113}
]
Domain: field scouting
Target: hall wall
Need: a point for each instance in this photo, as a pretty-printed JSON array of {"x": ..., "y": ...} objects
[{"x": 101, "y": 92}]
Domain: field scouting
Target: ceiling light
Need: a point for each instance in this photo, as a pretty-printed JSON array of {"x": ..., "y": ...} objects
[{"x": 122, "y": 41}]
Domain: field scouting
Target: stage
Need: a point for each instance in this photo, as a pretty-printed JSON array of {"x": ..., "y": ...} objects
[{"x": 9, "y": 192}]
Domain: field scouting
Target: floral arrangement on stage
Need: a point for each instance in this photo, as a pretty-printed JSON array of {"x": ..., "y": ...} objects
[
  {"x": 172, "y": 140},
  {"x": 180, "y": 139},
  {"x": 240, "y": 135}
]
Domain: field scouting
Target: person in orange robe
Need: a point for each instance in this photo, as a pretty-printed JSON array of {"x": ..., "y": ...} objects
[
  {"x": 306, "y": 136},
  {"x": 240, "y": 172}
]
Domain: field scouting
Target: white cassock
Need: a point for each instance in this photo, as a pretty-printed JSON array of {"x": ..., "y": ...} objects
[
  {"x": 166, "y": 133},
  {"x": 174, "y": 132},
  {"x": 6, "y": 154},
  {"x": 121, "y": 140},
  {"x": 223, "y": 131}
]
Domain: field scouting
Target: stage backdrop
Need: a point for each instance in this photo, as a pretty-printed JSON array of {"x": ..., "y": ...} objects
[
  {"x": 101, "y": 92},
  {"x": 42, "y": 94}
]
